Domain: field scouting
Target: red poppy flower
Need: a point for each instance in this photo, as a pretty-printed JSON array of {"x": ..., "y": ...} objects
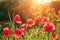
[
  {"x": 45, "y": 20},
  {"x": 24, "y": 27},
  {"x": 17, "y": 19},
  {"x": 48, "y": 27},
  {"x": 54, "y": 36},
  {"x": 18, "y": 33},
  {"x": 30, "y": 22},
  {"x": 6, "y": 32},
  {"x": 38, "y": 19}
]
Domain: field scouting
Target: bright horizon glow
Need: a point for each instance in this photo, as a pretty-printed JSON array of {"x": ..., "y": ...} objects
[
  {"x": 46, "y": 1},
  {"x": 41, "y": 1},
  {"x": 38, "y": 1}
]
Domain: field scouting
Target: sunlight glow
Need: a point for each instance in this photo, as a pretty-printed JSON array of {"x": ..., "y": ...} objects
[
  {"x": 38, "y": 1},
  {"x": 41, "y": 1},
  {"x": 46, "y": 1}
]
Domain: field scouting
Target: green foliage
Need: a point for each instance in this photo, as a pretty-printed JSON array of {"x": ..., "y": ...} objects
[
  {"x": 3, "y": 16},
  {"x": 3, "y": 12}
]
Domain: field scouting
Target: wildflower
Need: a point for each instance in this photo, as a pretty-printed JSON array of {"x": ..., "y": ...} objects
[
  {"x": 48, "y": 27},
  {"x": 6, "y": 32},
  {"x": 24, "y": 27},
  {"x": 30, "y": 22},
  {"x": 45, "y": 20},
  {"x": 54, "y": 36},
  {"x": 38, "y": 19},
  {"x": 17, "y": 19},
  {"x": 18, "y": 33}
]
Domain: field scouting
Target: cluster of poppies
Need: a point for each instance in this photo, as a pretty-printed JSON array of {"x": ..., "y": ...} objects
[{"x": 48, "y": 26}]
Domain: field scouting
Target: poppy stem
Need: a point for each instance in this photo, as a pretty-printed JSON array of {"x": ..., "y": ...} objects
[
  {"x": 16, "y": 38},
  {"x": 59, "y": 35},
  {"x": 48, "y": 36},
  {"x": 6, "y": 38}
]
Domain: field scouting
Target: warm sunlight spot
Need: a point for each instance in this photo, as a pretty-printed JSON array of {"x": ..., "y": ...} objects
[
  {"x": 46, "y": 1},
  {"x": 38, "y": 1},
  {"x": 41, "y": 1}
]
